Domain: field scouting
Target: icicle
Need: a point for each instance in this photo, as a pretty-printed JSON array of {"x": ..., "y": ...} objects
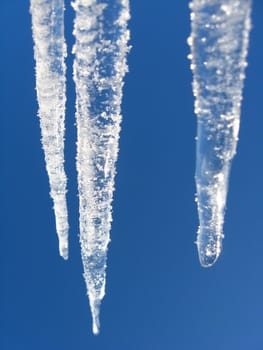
[
  {"x": 100, "y": 64},
  {"x": 219, "y": 41},
  {"x": 50, "y": 51}
]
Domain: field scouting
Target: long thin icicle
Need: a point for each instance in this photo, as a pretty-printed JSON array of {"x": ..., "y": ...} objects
[
  {"x": 50, "y": 52},
  {"x": 99, "y": 67},
  {"x": 219, "y": 41}
]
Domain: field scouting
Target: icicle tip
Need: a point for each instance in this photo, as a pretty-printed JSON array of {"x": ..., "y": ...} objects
[
  {"x": 95, "y": 328},
  {"x": 63, "y": 250},
  {"x": 209, "y": 251},
  {"x": 207, "y": 259},
  {"x": 95, "y": 311}
]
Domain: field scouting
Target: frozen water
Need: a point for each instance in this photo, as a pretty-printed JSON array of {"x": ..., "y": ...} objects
[
  {"x": 50, "y": 52},
  {"x": 100, "y": 52},
  {"x": 218, "y": 42}
]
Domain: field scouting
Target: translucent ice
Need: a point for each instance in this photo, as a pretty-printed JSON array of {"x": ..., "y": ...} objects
[
  {"x": 218, "y": 42},
  {"x": 50, "y": 52},
  {"x": 100, "y": 65}
]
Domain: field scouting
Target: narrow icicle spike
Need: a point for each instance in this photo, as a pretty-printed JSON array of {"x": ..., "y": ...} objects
[
  {"x": 100, "y": 50},
  {"x": 50, "y": 53},
  {"x": 218, "y": 42}
]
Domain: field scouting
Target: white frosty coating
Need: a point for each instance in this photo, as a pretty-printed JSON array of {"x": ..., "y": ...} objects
[
  {"x": 219, "y": 41},
  {"x": 100, "y": 64},
  {"x": 50, "y": 52}
]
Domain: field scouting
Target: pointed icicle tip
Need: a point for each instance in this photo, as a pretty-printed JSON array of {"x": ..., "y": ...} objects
[
  {"x": 95, "y": 328},
  {"x": 95, "y": 311}
]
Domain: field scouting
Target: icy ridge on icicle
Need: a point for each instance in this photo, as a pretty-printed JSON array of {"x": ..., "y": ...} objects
[
  {"x": 100, "y": 50},
  {"x": 50, "y": 52},
  {"x": 219, "y": 41}
]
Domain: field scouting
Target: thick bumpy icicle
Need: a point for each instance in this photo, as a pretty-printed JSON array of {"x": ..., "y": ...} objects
[
  {"x": 50, "y": 52},
  {"x": 100, "y": 64},
  {"x": 218, "y": 41}
]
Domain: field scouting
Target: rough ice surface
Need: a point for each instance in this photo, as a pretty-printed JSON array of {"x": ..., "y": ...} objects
[
  {"x": 218, "y": 42},
  {"x": 50, "y": 52},
  {"x": 100, "y": 49}
]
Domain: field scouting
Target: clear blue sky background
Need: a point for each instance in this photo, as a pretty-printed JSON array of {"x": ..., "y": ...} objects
[{"x": 158, "y": 297}]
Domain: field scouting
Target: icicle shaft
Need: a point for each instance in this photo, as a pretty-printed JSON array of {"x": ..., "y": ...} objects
[
  {"x": 100, "y": 64},
  {"x": 219, "y": 41},
  {"x": 50, "y": 52}
]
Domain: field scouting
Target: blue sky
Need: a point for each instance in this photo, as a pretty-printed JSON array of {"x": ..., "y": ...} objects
[{"x": 157, "y": 295}]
